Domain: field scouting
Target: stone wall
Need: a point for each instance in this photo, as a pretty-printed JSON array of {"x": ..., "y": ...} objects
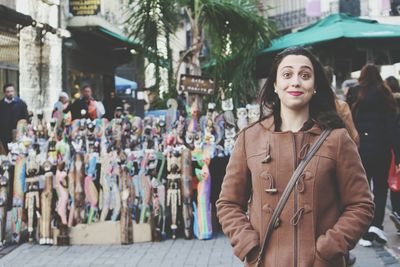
[{"x": 40, "y": 58}]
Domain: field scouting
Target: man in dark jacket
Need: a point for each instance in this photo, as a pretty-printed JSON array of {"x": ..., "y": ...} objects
[
  {"x": 86, "y": 103},
  {"x": 12, "y": 109}
]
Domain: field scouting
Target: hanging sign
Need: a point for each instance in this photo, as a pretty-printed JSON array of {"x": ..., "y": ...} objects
[
  {"x": 84, "y": 7},
  {"x": 197, "y": 84}
]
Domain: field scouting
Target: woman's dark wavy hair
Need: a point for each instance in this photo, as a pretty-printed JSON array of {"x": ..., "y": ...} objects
[
  {"x": 322, "y": 105},
  {"x": 371, "y": 77}
]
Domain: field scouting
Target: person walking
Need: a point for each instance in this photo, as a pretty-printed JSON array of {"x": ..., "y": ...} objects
[
  {"x": 296, "y": 216},
  {"x": 343, "y": 109},
  {"x": 58, "y": 111},
  {"x": 12, "y": 109},
  {"x": 86, "y": 106},
  {"x": 393, "y": 84},
  {"x": 374, "y": 112}
]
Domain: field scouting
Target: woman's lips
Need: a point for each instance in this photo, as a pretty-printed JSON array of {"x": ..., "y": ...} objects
[{"x": 295, "y": 93}]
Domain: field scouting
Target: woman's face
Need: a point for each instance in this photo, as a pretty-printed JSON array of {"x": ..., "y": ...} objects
[{"x": 295, "y": 82}]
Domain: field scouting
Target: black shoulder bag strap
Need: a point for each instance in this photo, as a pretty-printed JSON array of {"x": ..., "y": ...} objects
[{"x": 274, "y": 221}]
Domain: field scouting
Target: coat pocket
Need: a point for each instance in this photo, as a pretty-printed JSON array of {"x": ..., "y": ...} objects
[{"x": 320, "y": 262}]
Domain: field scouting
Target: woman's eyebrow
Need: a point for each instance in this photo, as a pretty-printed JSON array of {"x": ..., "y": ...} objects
[
  {"x": 306, "y": 67},
  {"x": 302, "y": 67}
]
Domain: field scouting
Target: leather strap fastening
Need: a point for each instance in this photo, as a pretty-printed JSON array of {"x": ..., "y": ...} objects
[{"x": 275, "y": 221}]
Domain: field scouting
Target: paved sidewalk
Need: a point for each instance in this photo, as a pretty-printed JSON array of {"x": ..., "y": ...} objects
[{"x": 216, "y": 252}]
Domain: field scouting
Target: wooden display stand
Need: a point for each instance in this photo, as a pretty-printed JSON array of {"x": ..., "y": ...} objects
[{"x": 106, "y": 233}]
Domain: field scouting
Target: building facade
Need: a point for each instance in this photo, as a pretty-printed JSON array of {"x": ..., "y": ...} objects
[
  {"x": 49, "y": 46},
  {"x": 9, "y": 42}
]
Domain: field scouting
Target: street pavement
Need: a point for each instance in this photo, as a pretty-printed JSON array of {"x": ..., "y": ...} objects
[{"x": 180, "y": 252}]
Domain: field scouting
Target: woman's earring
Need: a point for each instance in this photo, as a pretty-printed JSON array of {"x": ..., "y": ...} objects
[
  {"x": 275, "y": 91},
  {"x": 315, "y": 92}
]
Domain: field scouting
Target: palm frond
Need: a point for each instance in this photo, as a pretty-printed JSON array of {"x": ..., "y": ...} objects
[
  {"x": 150, "y": 21},
  {"x": 235, "y": 31}
]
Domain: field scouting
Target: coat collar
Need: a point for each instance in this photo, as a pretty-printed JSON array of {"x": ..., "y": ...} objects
[{"x": 268, "y": 124}]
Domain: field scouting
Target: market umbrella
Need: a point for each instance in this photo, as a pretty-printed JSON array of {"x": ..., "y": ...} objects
[{"x": 340, "y": 37}]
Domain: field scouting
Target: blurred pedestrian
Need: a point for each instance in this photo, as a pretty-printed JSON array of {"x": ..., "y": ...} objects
[
  {"x": 12, "y": 109},
  {"x": 343, "y": 109},
  {"x": 111, "y": 102},
  {"x": 59, "y": 107},
  {"x": 374, "y": 112},
  {"x": 393, "y": 84},
  {"x": 86, "y": 106},
  {"x": 329, "y": 206}
]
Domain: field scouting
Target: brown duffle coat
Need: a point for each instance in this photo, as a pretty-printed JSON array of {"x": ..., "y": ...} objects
[{"x": 327, "y": 212}]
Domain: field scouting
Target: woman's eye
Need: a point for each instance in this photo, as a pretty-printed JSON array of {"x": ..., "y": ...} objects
[
  {"x": 286, "y": 75},
  {"x": 305, "y": 76}
]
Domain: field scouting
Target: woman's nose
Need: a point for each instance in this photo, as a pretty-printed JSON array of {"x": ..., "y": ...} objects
[{"x": 295, "y": 82}]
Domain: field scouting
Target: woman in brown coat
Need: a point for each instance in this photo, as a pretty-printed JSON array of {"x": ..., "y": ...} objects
[{"x": 330, "y": 207}]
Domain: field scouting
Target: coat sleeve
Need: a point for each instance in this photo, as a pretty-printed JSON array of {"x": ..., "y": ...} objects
[
  {"x": 232, "y": 202},
  {"x": 356, "y": 201}
]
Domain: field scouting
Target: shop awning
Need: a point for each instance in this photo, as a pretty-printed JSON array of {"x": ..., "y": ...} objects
[
  {"x": 118, "y": 36},
  {"x": 123, "y": 84},
  {"x": 334, "y": 27},
  {"x": 95, "y": 25},
  {"x": 11, "y": 16}
]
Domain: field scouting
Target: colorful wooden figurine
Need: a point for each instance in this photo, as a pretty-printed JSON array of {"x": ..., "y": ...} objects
[
  {"x": 32, "y": 204},
  {"x": 4, "y": 192},
  {"x": 227, "y": 107},
  {"x": 91, "y": 193},
  {"x": 63, "y": 193},
  {"x": 46, "y": 199},
  {"x": 242, "y": 121},
  {"x": 253, "y": 112},
  {"x": 18, "y": 189},
  {"x": 76, "y": 178},
  {"x": 202, "y": 218},
  {"x": 174, "y": 189},
  {"x": 187, "y": 210},
  {"x": 40, "y": 126},
  {"x": 107, "y": 170},
  {"x": 145, "y": 187},
  {"x": 126, "y": 218},
  {"x": 158, "y": 196}
]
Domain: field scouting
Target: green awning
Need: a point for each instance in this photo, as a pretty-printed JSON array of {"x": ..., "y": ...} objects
[
  {"x": 336, "y": 26},
  {"x": 119, "y": 37}
]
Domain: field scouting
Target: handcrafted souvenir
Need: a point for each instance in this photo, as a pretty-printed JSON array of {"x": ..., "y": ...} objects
[
  {"x": 253, "y": 112},
  {"x": 126, "y": 218},
  {"x": 227, "y": 107},
  {"x": 242, "y": 121},
  {"x": 46, "y": 200},
  {"x": 4, "y": 194},
  {"x": 202, "y": 211},
  {"x": 32, "y": 204},
  {"x": 187, "y": 210},
  {"x": 174, "y": 189}
]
